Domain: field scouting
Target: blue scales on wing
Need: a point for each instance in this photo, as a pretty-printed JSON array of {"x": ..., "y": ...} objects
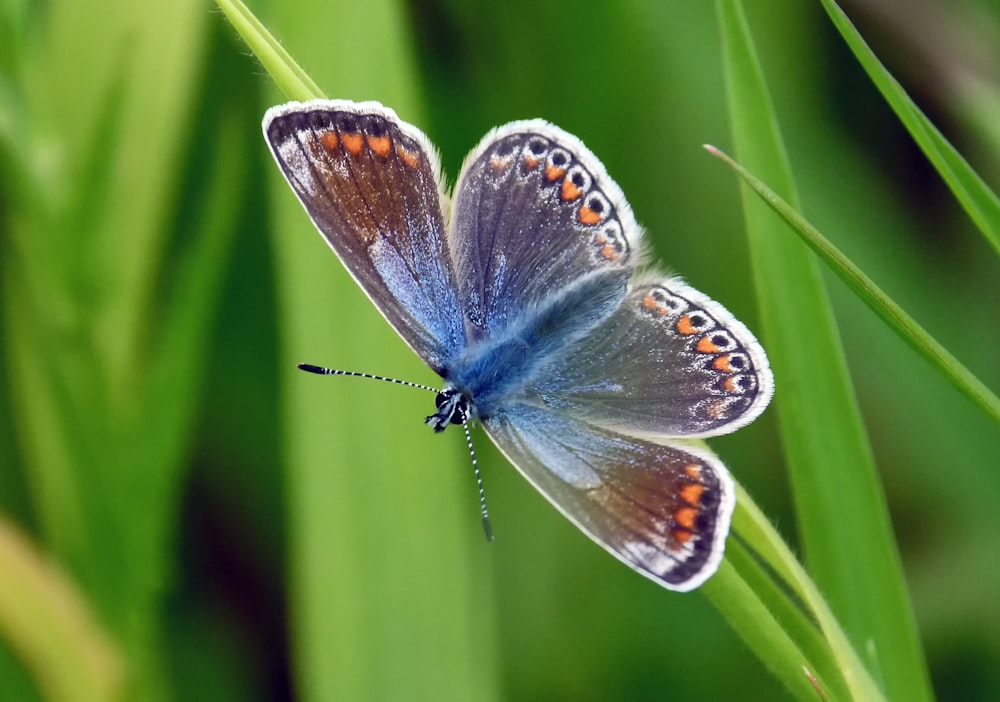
[
  {"x": 371, "y": 185},
  {"x": 533, "y": 212},
  {"x": 668, "y": 362}
]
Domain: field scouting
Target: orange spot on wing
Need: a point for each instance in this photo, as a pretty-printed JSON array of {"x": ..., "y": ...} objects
[
  {"x": 531, "y": 161},
  {"x": 353, "y": 143},
  {"x": 685, "y": 327},
  {"x": 570, "y": 191},
  {"x": 685, "y": 517},
  {"x": 649, "y": 302},
  {"x": 705, "y": 345},
  {"x": 554, "y": 173},
  {"x": 681, "y": 536},
  {"x": 499, "y": 164},
  {"x": 722, "y": 364},
  {"x": 609, "y": 252},
  {"x": 730, "y": 384},
  {"x": 588, "y": 216},
  {"x": 410, "y": 159},
  {"x": 691, "y": 493},
  {"x": 329, "y": 140},
  {"x": 693, "y": 471},
  {"x": 380, "y": 145}
]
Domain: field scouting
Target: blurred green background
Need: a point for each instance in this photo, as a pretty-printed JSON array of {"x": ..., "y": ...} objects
[{"x": 152, "y": 273}]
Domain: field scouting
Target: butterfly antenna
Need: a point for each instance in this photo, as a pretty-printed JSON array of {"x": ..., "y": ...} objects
[
  {"x": 487, "y": 527},
  {"x": 319, "y": 370}
]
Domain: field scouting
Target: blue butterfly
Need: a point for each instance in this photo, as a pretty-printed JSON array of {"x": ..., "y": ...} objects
[{"x": 525, "y": 295}]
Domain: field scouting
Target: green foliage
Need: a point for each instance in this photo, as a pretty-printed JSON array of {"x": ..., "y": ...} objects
[{"x": 184, "y": 515}]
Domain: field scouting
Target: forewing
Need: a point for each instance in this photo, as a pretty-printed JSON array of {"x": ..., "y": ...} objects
[
  {"x": 663, "y": 509},
  {"x": 533, "y": 211},
  {"x": 371, "y": 185},
  {"x": 669, "y": 362}
]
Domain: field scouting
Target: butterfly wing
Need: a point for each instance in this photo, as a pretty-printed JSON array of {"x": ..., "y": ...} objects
[
  {"x": 533, "y": 211},
  {"x": 669, "y": 362},
  {"x": 662, "y": 509},
  {"x": 371, "y": 185}
]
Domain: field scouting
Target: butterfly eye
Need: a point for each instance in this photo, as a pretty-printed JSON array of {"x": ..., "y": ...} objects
[
  {"x": 452, "y": 406},
  {"x": 440, "y": 399}
]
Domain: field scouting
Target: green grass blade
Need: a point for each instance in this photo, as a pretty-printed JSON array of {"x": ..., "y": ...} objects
[
  {"x": 766, "y": 596},
  {"x": 293, "y": 81},
  {"x": 750, "y": 524},
  {"x": 841, "y": 509},
  {"x": 981, "y": 203},
  {"x": 873, "y": 296},
  {"x": 389, "y": 586},
  {"x": 753, "y": 617},
  {"x": 45, "y": 619}
]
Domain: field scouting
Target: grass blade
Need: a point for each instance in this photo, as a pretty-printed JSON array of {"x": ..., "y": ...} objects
[
  {"x": 873, "y": 296},
  {"x": 47, "y": 622},
  {"x": 853, "y": 559},
  {"x": 981, "y": 203},
  {"x": 291, "y": 79},
  {"x": 754, "y": 619},
  {"x": 381, "y": 577}
]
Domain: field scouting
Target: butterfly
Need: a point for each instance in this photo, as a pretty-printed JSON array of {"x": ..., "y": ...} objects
[{"x": 525, "y": 293}]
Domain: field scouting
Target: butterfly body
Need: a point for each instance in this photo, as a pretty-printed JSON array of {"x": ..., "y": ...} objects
[
  {"x": 508, "y": 365},
  {"x": 524, "y": 294}
]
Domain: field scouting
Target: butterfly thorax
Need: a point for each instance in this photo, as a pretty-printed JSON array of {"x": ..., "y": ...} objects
[{"x": 502, "y": 368}]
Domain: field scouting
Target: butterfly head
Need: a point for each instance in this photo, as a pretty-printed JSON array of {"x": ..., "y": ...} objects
[{"x": 453, "y": 407}]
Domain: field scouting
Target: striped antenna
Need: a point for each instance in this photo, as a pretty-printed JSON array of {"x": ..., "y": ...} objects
[
  {"x": 319, "y": 370},
  {"x": 487, "y": 527}
]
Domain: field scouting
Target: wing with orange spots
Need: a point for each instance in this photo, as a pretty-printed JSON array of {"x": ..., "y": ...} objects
[
  {"x": 669, "y": 362},
  {"x": 533, "y": 211},
  {"x": 664, "y": 510},
  {"x": 371, "y": 185}
]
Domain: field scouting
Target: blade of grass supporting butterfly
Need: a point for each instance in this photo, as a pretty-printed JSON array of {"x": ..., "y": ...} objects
[
  {"x": 385, "y": 603},
  {"x": 981, "y": 204},
  {"x": 291, "y": 79},
  {"x": 781, "y": 582},
  {"x": 752, "y": 616},
  {"x": 842, "y": 513},
  {"x": 873, "y": 296},
  {"x": 772, "y": 616}
]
